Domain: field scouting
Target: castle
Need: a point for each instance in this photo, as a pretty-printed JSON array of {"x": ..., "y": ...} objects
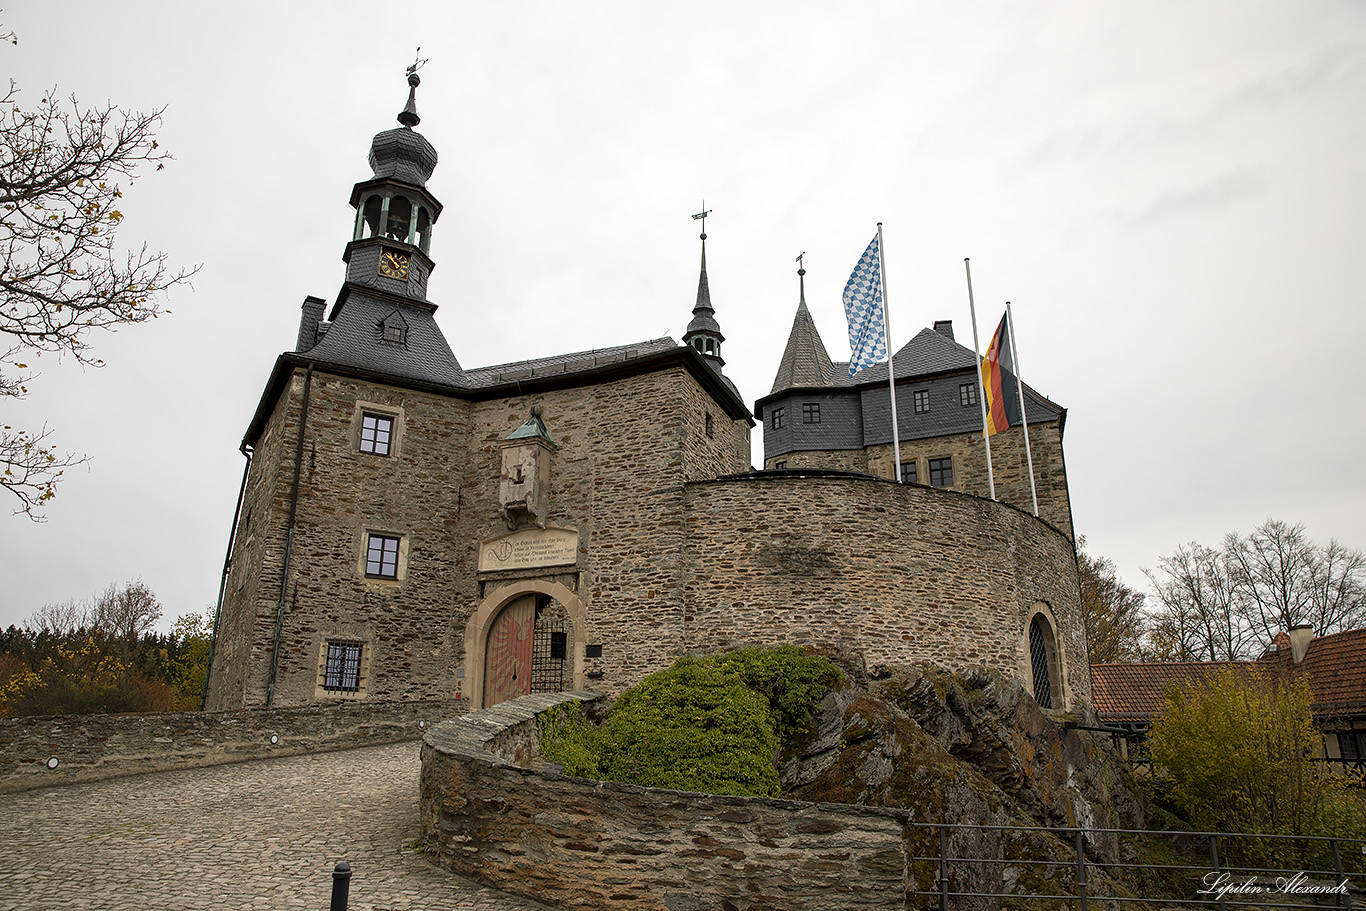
[{"x": 409, "y": 528}]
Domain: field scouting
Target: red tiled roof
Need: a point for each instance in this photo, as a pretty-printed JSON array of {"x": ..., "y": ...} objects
[
  {"x": 1336, "y": 665},
  {"x": 1135, "y": 692}
]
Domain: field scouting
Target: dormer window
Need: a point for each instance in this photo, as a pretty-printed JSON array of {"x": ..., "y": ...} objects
[{"x": 393, "y": 329}]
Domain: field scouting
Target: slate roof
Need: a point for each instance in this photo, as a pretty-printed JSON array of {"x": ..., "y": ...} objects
[
  {"x": 403, "y": 155},
  {"x": 1336, "y": 665},
  {"x": 928, "y": 352},
  {"x": 562, "y": 364},
  {"x": 805, "y": 361},
  {"x": 703, "y": 316},
  {"x": 355, "y": 339}
]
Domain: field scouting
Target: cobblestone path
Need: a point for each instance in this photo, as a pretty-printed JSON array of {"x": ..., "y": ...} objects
[{"x": 263, "y": 834}]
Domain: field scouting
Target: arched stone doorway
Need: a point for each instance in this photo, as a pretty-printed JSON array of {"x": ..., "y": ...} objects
[{"x": 524, "y": 638}]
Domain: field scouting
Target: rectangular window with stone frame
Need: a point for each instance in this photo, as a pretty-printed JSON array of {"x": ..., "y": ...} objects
[
  {"x": 341, "y": 671},
  {"x": 376, "y": 433},
  {"x": 381, "y": 556},
  {"x": 941, "y": 472},
  {"x": 908, "y": 473}
]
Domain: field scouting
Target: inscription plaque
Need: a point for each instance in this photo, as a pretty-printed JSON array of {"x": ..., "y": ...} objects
[{"x": 530, "y": 548}]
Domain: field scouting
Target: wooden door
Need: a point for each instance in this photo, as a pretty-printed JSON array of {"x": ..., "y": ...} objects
[{"x": 507, "y": 661}]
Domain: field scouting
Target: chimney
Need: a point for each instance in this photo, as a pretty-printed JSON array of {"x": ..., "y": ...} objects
[
  {"x": 308, "y": 323},
  {"x": 1300, "y": 636},
  {"x": 944, "y": 327}
]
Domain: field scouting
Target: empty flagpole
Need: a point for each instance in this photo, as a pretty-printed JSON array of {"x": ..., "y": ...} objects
[
  {"x": 1024, "y": 419},
  {"x": 891, "y": 374},
  {"x": 981, "y": 380}
]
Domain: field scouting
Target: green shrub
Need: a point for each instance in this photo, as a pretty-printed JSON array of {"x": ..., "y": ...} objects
[{"x": 706, "y": 724}]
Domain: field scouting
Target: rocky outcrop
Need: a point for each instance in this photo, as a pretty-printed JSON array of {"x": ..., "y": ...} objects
[{"x": 968, "y": 748}]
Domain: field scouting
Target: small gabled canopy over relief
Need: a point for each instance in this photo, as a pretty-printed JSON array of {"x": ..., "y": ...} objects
[
  {"x": 394, "y": 329},
  {"x": 532, "y": 429}
]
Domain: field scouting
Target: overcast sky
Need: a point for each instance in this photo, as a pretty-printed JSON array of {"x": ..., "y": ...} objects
[{"x": 1171, "y": 194}]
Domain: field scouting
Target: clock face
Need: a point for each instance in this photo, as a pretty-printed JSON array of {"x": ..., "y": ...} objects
[{"x": 393, "y": 264}]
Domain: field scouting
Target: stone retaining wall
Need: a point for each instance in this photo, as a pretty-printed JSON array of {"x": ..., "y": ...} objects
[
  {"x": 490, "y": 813},
  {"x": 95, "y": 747}
]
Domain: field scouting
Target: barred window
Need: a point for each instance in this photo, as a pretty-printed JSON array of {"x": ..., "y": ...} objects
[
  {"x": 381, "y": 557},
  {"x": 941, "y": 472},
  {"x": 376, "y": 433},
  {"x": 342, "y": 670},
  {"x": 811, "y": 412},
  {"x": 908, "y": 474},
  {"x": 922, "y": 400},
  {"x": 967, "y": 394},
  {"x": 779, "y": 414}
]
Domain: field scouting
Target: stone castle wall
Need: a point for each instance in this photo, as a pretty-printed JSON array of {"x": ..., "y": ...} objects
[
  {"x": 489, "y": 814},
  {"x": 669, "y": 559},
  {"x": 96, "y": 747},
  {"x": 624, "y": 448},
  {"x": 1009, "y": 464},
  {"x": 899, "y": 574}
]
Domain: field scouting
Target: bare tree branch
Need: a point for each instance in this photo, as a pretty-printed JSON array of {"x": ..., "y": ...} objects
[{"x": 61, "y": 274}]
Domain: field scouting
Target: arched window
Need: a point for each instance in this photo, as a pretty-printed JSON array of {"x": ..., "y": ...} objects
[
  {"x": 424, "y": 229},
  {"x": 1042, "y": 658},
  {"x": 400, "y": 218},
  {"x": 370, "y": 213}
]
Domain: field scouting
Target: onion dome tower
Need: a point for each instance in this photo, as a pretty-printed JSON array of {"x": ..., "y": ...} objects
[{"x": 395, "y": 212}]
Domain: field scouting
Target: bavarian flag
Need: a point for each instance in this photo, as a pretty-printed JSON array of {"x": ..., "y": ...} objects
[{"x": 998, "y": 381}]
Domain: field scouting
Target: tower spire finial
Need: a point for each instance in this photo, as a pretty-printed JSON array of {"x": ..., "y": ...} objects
[
  {"x": 408, "y": 116},
  {"x": 703, "y": 215},
  {"x": 801, "y": 277}
]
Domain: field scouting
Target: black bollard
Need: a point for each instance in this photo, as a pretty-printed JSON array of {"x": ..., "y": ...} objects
[{"x": 341, "y": 886}]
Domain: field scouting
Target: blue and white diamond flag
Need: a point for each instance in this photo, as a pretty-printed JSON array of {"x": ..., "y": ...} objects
[{"x": 863, "y": 308}]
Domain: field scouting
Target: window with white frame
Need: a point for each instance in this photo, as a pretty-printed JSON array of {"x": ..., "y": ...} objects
[
  {"x": 376, "y": 433},
  {"x": 381, "y": 556}
]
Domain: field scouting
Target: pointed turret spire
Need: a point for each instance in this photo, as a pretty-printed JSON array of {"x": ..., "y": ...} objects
[
  {"x": 704, "y": 332},
  {"x": 805, "y": 361}
]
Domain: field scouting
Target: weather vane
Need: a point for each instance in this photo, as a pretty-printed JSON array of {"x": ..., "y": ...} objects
[
  {"x": 417, "y": 61},
  {"x": 703, "y": 215},
  {"x": 800, "y": 264}
]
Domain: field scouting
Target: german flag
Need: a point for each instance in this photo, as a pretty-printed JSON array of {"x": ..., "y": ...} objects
[{"x": 998, "y": 375}]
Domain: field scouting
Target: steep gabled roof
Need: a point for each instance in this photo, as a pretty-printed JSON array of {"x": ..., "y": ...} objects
[
  {"x": 805, "y": 361},
  {"x": 355, "y": 338}
]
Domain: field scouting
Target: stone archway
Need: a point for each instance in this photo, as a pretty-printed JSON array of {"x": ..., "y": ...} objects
[{"x": 501, "y": 642}]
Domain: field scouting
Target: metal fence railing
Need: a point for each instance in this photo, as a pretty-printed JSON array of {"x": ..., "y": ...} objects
[{"x": 967, "y": 867}]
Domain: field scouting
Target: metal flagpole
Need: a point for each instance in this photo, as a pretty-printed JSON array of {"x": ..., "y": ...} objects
[
  {"x": 1019, "y": 388},
  {"x": 981, "y": 380},
  {"x": 891, "y": 374}
]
